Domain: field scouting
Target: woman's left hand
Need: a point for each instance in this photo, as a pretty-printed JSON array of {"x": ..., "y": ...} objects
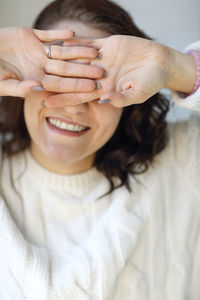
[{"x": 137, "y": 69}]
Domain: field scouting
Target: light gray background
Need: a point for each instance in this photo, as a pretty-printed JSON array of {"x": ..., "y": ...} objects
[{"x": 175, "y": 23}]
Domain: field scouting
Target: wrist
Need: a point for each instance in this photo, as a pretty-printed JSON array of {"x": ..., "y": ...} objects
[
  {"x": 182, "y": 72},
  {"x": 196, "y": 56}
]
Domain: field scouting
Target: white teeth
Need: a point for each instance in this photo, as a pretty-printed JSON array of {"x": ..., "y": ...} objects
[{"x": 62, "y": 125}]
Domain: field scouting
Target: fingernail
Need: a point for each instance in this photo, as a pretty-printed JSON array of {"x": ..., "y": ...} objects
[
  {"x": 104, "y": 101},
  {"x": 42, "y": 103},
  {"x": 99, "y": 55},
  {"x": 105, "y": 74},
  {"x": 98, "y": 86},
  {"x": 38, "y": 88}
]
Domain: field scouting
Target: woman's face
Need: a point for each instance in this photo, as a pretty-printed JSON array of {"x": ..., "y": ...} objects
[{"x": 60, "y": 150}]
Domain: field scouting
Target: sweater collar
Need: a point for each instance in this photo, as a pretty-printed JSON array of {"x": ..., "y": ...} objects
[{"x": 78, "y": 184}]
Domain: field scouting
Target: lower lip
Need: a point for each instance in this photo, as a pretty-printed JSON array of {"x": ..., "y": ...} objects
[{"x": 65, "y": 132}]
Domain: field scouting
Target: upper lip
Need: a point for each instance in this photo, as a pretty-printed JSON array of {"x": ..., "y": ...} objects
[{"x": 63, "y": 119}]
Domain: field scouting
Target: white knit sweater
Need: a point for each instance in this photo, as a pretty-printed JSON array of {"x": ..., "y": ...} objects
[{"x": 57, "y": 242}]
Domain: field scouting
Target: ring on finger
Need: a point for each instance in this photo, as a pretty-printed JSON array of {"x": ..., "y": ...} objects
[
  {"x": 48, "y": 47},
  {"x": 48, "y": 51}
]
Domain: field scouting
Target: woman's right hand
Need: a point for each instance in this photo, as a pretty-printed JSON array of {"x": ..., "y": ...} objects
[
  {"x": 11, "y": 83},
  {"x": 25, "y": 65}
]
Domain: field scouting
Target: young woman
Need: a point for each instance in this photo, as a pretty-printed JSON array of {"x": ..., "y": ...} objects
[{"x": 99, "y": 195}]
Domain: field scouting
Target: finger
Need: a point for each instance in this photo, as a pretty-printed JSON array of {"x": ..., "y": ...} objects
[
  {"x": 14, "y": 87},
  {"x": 125, "y": 98},
  {"x": 97, "y": 43},
  {"x": 71, "y": 99},
  {"x": 51, "y": 35},
  {"x": 65, "y": 53},
  {"x": 65, "y": 85},
  {"x": 69, "y": 69},
  {"x": 85, "y": 61}
]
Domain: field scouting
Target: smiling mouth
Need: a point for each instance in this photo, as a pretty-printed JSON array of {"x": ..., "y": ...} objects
[{"x": 66, "y": 127}]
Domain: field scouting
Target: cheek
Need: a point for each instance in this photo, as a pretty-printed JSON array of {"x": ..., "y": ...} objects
[
  {"x": 107, "y": 119},
  {"x": 31, "y": 114}
]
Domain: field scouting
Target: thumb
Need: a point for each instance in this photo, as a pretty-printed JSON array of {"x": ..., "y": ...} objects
[
  {"x": 127, "y": 97},
  {"x": 17, "y": 88},
  {"x": 129, "y": 91}
]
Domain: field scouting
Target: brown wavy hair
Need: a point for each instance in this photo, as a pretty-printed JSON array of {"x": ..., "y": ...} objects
[{"x": 141, "y": 133}]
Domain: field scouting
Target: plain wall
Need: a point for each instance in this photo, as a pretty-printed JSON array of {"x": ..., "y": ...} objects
[{"x": 175, "y": 23}]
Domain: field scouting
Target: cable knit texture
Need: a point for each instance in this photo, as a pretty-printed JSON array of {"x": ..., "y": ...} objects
[{"x": 59, "y": 242}]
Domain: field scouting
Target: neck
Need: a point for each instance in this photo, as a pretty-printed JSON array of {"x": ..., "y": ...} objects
[{"x": 62, "y": 168}]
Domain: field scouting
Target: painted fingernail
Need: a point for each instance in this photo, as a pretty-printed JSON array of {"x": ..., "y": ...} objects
[
  {"x": 99, "y": 55},
  {"x": 104, "y": 101},
  {"x": 42, "y": 103},
  {"x": 38, "y": 88},
  {"x": 105, "y": 74},
  {"x": 98, "y": 86}
]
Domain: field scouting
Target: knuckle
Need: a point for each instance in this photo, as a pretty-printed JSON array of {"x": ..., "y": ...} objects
[
  {"x": 61, "y": 84},
  {"x": 51, "y": 83},
  {"x": 80, "y": 70},
  {"x": 67, "y": 68},
  {"x": 77, "y": 84},
  {"x": 78, "y": 51},
  {"x": 47, "y": 65},
  {"x": 85, "y": 70},
  {"x": 63, "y": 68},
  {"x": 67, "y": 85}
]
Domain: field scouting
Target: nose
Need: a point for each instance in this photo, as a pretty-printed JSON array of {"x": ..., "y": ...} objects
[{"x": 75, "y": 109}]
